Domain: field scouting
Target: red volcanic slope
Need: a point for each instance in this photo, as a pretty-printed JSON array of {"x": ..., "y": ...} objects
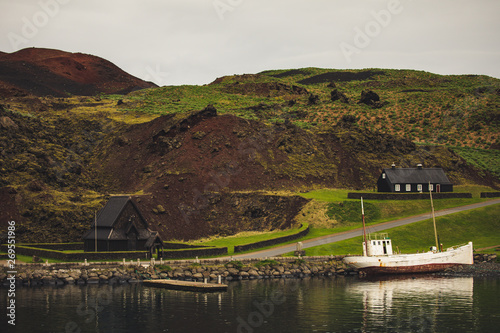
[{"x": 40, "y": 72}]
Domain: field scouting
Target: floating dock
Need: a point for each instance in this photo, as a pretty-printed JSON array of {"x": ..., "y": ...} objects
[{"x": 185, "y": 285}]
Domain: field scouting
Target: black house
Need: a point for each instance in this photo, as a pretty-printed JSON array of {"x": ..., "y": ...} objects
[
  {"x": 121, "y": 227},
  {"x": 404, "y": 180}
]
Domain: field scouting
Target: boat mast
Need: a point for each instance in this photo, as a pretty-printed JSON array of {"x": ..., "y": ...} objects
[
  {"x": 364, "y": 227},
  {"x": 434, "y": 219}
]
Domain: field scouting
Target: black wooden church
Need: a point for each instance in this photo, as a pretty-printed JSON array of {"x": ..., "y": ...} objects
[{"x": 120, "y": 226}]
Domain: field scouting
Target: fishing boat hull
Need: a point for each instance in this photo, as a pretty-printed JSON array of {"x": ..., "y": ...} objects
[{"x": 413, "y": 263}]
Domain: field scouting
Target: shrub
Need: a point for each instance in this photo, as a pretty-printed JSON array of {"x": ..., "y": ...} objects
[
  {"x": 265, "y": 262},
  {"x": 236, "y": 264},
  {"x": 163, "y": 268}
]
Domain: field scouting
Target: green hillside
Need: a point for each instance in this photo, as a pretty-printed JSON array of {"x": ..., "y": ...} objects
[
  {"x": 294, "y": 130},
  {"x": 455, "y": 110}
]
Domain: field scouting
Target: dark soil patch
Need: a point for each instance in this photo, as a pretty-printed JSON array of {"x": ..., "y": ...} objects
[
  {"x": 265, "y": 89},
  {"x": 340, "y": 77},
  {"x": 291, "y": 73},
  {"x": 415, "y": 90}
]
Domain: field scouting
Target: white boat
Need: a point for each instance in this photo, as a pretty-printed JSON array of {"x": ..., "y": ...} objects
[{"x": 379, "y": 258}]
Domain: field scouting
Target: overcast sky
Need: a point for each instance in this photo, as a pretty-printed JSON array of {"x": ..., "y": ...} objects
[{"x": 173, "y": 42}]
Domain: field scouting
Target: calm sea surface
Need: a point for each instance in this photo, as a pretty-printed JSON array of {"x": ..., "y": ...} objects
[{"x": 421, "y": 304}]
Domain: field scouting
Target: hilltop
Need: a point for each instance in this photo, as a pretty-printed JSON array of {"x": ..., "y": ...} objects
[
  {"x": 41, "y": 72},
  {"x": 232, "y": 155},
  {"x": 456, "y": 110}
]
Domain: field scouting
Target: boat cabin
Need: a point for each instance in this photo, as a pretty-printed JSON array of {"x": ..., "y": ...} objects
[{"x": 378, "y": 245}]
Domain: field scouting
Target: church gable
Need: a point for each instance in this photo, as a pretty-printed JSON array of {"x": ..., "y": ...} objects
[{"x": 120, "y": 227}]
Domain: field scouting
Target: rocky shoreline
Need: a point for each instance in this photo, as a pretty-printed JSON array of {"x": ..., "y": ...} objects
[
  {"x": 485, "y": 265},
  {"x": 58, "y": 274},
  {"x": 208, "y": 270}
]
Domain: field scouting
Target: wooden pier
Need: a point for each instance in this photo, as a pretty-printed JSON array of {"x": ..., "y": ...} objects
[{"x": 185, "y": 285}]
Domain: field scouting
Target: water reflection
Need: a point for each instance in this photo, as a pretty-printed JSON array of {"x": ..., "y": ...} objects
[
  {"x": 413, "y": 304},
  {"x": 422, "y": 304}
]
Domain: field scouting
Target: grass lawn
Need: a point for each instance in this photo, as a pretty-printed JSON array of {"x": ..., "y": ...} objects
[
  {"x": 384, "y": 210},
  {"x": 350, "y": 218},
  {"x": 479, "y": 226},
  {"x": 246, "y": 238}
]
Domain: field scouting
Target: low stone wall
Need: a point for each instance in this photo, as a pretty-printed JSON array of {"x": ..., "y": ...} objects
[
  {"x": 190, "y": 270},
  {"x": 176, "y": 246},
  {"x": 269, "y": 242},
  {"x": 407, "y": 196},
  {"x": 79, "y": 246},
  {"x": 490, "y": 194},
  {"x": 58, "y": 274},
  {"x": 80, "y": 256},
  {"x": 55, "y": 246}
]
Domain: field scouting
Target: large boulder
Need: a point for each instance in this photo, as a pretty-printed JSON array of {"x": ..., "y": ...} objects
[
  {"x": 337, "y": 95},
  {"x": 7, "y": 123},
  {"x": 372, "y": 99},
  {"x": 369, "y": 97}
]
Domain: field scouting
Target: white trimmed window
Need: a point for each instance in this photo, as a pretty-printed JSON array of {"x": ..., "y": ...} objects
[
  {"x": 383, "y": 175},
  {"x": 431, "y": 187},
  {"x": 397, "y": 187},
  {"x": 419, "y": 187},
  {"x": 408, "y": 187}
]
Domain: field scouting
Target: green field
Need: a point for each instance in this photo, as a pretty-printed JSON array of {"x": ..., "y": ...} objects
[
  {"x": 480, "y": 226},
  {"x": 246, "y": 238},
  {"x": 341, "y": 214}
]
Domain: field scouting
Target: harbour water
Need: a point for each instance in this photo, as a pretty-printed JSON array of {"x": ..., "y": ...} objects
[{"x": 329, "y": 304}]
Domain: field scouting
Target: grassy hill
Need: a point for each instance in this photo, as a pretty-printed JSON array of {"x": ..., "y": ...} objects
[
  {"x": 282, "y": 130},
  {"x": 455, "y": 110}
]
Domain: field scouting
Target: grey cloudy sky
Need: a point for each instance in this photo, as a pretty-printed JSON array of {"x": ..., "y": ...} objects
[{"x": 195, "y": 41}]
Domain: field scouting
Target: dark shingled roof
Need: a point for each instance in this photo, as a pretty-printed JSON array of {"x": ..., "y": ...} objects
[
  {"x": 102, "y": 233},
  {"x": 108, "y": 215},
  {"x": 151, "y": 240},
  {"x": 416, "y": 175}
]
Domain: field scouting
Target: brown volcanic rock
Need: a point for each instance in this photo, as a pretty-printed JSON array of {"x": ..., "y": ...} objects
[
  {"x": 194, "y": 176},
  {"x": 43, "y": 72},
  {"x": 203, "y": 169}
]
